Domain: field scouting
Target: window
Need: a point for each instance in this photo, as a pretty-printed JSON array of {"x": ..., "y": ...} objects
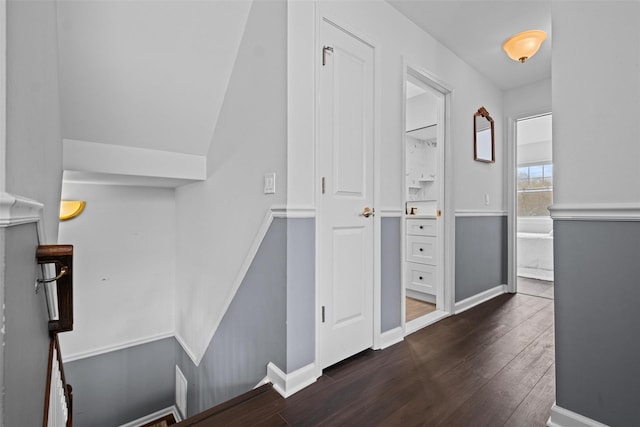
[{"x": 535, "y": 189}]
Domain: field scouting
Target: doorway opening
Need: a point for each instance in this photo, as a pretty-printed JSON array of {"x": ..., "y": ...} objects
[
  {"x": 423, "y": 232},
  {"x": 534, "y": 195}
]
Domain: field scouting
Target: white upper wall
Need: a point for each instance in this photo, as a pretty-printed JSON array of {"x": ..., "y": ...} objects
[
  {"x": 596, "y": 102},
  {"x": 33, "y": 142},
  {"x": 529, "y": 100},
  {"x": 147, "y": 74},
  {"x": 395, "y": 39},
  {"x": 218, "y": 219},
  {"x": 124, "y": 267},
  {"x": 422, "y": 110}
]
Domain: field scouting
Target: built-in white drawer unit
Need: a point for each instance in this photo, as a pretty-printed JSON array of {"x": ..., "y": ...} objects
[
  {"x": 421, "y": 278},
  {"x": 421, "y": 227},
  {"x": 421, "y": 249}
]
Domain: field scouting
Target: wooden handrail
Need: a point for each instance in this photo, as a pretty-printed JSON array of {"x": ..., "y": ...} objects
[{"x": 62, "y": 257}]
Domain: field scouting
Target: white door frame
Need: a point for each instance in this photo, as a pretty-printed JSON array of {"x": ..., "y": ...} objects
[
  {"x": 320, "y": 16},
  {"x": 447, "y": 245},
  {"x": 512, "y": 197}
]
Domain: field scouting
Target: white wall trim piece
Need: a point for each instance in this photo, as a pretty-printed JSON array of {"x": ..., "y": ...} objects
[
  {"x": 561, "y": 417},
  {"x": 108, "y": 349},
  {"x": 16, "y": 210},
  {"x": 293, "y": 211},
  {"x": 469, "y": 212},
  {"x": 424, "y": 321},
  {"x": 3, "y": 96},
  {"x": 477, "y": 299},
  {"x": 390, "y": 213},
  {"x": 596, "y": 211},
  {"x": 158, "y": 414},
  {"x": 288, "y": 384},
  {"x": 391, "y": 337},
  {"x": 86, "y": 156}
]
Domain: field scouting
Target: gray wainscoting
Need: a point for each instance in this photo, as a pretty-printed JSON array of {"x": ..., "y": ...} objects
[
  {"x": 123, "y": 385},
  {"x": 301, "y": 293},
  {"x": 26, "y": 335},
  {"x": 481, "y": 254},
  {"x": 252, "y": 332},
  {"x": 597, "y": 320},
  {"x": 391, "y": 274}
]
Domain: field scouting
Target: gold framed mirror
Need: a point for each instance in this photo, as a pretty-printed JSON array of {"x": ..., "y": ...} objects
[{"x": 484, "y": 145}]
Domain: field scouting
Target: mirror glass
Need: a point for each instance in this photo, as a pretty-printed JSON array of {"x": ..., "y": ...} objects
[{"x": 484, "y": 144}]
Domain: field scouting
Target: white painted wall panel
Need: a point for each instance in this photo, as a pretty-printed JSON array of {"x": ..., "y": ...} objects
[
  {"x": 124, "y": 266},
  {"x": 147, "y": 74},
  {"x": 395, "y": 37},
  {"x": 597, "y": 100},
  {"x": 218, "y": 219}
]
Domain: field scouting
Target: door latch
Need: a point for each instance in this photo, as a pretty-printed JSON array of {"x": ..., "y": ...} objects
[{"x": 325, "y": 49}]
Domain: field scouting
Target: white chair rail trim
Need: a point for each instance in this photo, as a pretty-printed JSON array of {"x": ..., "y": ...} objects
[
  {"x": 16, "y": 210},
  {"x": 596, "y": 211},
  {"x": 473, "y": 213}
]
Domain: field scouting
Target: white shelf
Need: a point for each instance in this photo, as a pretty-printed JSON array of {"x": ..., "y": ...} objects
[{"x": 424, "y": 133}]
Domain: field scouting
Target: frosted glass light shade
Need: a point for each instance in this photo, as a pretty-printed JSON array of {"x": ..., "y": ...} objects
[
  {"x": 523, "y": 46},
  {"x": 71, "y": 208}
]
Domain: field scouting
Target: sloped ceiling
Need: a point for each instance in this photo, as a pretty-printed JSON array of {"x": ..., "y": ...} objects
[{"x": 146, "y": 74}]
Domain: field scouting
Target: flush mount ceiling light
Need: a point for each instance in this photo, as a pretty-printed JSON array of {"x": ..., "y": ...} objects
[
  {"x": 71, "y": 208},
  {"x": 524, "y": 45}
]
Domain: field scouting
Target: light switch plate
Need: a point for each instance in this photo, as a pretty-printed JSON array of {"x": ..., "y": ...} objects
[{"x": 270, "y": 183}]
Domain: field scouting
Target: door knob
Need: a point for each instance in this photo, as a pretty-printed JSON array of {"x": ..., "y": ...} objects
[{"x": 367, "y": 212}]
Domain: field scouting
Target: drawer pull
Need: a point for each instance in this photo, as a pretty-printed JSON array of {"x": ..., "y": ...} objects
[
  {"x": 420, "y": 277},
  {"x": 421, "y": 227},
  {"x": 420, "y": 249}
]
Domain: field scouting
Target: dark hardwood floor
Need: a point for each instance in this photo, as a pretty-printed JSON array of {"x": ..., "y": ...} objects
[{"x": 492, "y": 365}]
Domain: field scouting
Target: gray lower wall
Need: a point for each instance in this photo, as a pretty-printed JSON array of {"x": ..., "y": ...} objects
[
  {"x": 120, "y": 386},
  {"x": 391, "y": 274},
  {"x": 26, "y": 331},
  {"x": 481, "y": 254},
  {"x": 301, "y": 293},
  {"x": 258, "y": 328},
  {"x": 251, "y": 334},
  {"x": 597, "y": 321}
]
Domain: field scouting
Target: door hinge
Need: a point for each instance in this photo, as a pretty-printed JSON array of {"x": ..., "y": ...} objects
[
  {"x": 325, "y": 49},
  {"x": 324, "y": 185},
  {"x": 323, "y": 314}
]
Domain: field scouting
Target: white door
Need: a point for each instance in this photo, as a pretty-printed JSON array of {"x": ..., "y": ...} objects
[{"x": 345, "y": 166}]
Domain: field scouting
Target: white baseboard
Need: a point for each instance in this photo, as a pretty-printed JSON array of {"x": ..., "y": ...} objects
[
  {"x": 158, "y": 414},
  {"x": 470, "y": 302},
  {"x": 288, "y": 384},
  {"x": 114, "y": 347},
  {"x": 561, "y": 417},
  {"x": 391, "y": 337}
]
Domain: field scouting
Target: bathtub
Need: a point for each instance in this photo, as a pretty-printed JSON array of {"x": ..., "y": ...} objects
[{"x": 535, "y": 248}]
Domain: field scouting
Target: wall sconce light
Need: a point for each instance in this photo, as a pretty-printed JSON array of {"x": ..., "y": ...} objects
[
  {"x": 71, "y": 208},
  {"x": 523, "y": 46}
]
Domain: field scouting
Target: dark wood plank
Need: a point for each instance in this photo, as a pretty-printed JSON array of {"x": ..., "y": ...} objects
[
  {"x": 535, "y": 409},
  {"x": 488, "y": 366},
  {"x": 497, "y": 400},
  {"x": 236, "y": 402}
]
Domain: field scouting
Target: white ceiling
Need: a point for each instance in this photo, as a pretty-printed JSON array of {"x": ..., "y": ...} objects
[
  {"x": 475, "y": 29},
  {"x": 147, "y": 74}
]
